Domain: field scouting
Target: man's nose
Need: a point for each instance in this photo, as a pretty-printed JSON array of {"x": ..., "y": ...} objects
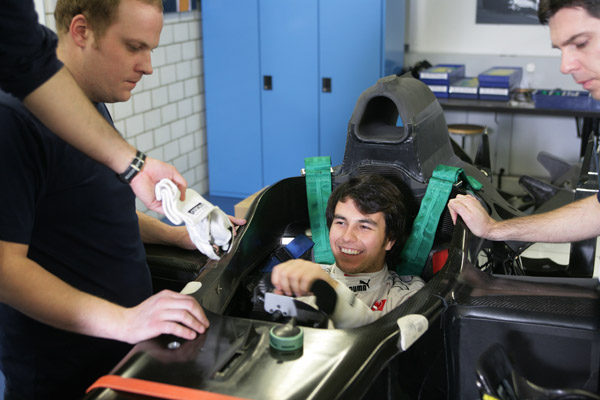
[
  {"x": 568, "y": 62},
  {"x": 145, "y": 64},
  {"x": 349, "y": 234}
]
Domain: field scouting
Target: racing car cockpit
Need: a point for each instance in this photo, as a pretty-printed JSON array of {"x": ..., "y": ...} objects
[{"x": 429, "y": 346}]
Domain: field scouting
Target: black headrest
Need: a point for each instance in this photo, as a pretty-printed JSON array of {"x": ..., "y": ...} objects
[{"x": 397, "y": 127}]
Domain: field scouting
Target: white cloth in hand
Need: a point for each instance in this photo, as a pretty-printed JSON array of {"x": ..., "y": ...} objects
[{"x": 205, "y": 222}]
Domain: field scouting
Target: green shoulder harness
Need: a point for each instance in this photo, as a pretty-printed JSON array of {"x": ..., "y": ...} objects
[
  {"x": 318, "y": 190},
  {"x": 419, "y": 244}
]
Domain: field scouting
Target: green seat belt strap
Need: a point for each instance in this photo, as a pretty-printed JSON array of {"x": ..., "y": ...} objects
[
  {"x": 318, "y": 190},
  {"x": 419, "y": 243}
]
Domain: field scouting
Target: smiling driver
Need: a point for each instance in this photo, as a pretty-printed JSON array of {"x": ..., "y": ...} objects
[{"x": 367, "y": 219}]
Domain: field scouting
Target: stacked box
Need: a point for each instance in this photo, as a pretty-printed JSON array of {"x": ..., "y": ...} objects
[
  {"x": 497, "y": 83},
  {"x": 563, "y": 99},
  {"x": 466, "y": 88},
  {"x": 440, "y": 76}
]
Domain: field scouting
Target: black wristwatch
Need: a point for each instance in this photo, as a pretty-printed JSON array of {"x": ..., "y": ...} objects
[{"x": 134, "y": 167}]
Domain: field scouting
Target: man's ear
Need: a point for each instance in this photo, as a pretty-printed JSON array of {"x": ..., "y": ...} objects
[
  {"x": 389, "y": 245},
  {"x": 80, "y": 30}
]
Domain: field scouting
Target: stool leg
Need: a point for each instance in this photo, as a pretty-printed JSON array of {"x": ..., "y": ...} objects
[{"x": 483, "y": 158}]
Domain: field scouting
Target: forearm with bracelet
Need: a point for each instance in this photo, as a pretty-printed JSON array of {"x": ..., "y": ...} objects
[{"x": 134, "y": 167}]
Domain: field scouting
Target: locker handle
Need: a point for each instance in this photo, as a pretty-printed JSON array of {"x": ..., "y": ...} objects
[
  {"x": 326, "y": 87},
  {"x": 268, "y": 82}
]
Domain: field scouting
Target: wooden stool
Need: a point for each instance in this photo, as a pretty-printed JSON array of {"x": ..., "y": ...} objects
[
  {"x": 482, "y": 157},
  {"x": 465, "y": 130}
]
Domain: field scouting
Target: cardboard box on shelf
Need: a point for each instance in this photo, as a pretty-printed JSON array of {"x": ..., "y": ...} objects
[{"x": 241, "y": 208}]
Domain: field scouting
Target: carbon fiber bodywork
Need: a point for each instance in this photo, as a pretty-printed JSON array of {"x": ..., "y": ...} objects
[{"x": 467, "y": 310}]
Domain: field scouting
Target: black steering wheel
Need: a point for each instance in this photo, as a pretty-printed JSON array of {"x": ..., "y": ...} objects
[{"x": 307, "y": 315}]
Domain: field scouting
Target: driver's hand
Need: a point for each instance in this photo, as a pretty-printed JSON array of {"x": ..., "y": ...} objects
[{"x": 295, "y": 277}]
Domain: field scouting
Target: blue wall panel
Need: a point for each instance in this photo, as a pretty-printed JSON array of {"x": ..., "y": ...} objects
[
  {"x": 256, "y": 136},
  {"x": 288, "y": 35},
  {"x": 395, "y": 17},
  {"x": 232, "y": 87},
  {"x": 350, "y": 52}
]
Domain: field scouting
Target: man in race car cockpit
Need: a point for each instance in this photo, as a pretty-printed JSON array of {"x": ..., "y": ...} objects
[
  {"x": 575, "y": 31},
  {"x": 367, "y": 219}
]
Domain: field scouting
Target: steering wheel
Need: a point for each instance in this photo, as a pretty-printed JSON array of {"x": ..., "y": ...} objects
[{"x": 282, "y": 308}]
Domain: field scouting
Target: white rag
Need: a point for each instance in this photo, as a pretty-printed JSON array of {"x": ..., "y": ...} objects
[{"x": 205, "y": 222}]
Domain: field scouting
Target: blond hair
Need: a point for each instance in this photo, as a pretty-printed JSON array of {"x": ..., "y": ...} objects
[{"x": 100, "y": 14}]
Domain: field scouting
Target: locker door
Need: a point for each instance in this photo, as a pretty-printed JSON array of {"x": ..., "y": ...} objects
[
  {"x": 350, "y": 51},
  {"x": 288, "y": 37},
  {"x": 232, "y": 90}
]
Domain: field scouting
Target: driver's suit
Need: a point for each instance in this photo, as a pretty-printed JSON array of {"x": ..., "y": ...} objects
[{"x": 362, "y": 298}]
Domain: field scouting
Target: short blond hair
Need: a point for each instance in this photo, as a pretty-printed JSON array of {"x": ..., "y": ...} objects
[{"x": 100, "y": 13}]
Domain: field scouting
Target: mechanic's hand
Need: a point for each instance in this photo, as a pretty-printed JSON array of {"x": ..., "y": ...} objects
[
  {"x": 472, "y": 213},
  {"x": 166, "y": 312},
  {"x": 152, "y": 172},
  {"x": 295, "y": 277}
]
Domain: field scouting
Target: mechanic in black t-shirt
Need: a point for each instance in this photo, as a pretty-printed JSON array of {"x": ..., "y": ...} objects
[
  {"x": 74, "y": 285},
  {"x": 30, "y": 71}
]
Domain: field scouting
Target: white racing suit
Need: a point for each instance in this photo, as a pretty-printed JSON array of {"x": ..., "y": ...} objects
[{"x": 363, "y": 298}]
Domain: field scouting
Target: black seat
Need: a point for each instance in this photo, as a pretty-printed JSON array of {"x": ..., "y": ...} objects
[{"x": 172, "y": 267}]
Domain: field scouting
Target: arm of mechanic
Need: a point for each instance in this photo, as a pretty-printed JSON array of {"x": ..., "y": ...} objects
[
  {"x": 53, "y": 103},
  {"x": 46, "y": 298},
  {"x": 30, "y": 70},
  {"x": 154, "y": 231},
  {"x": 575, "y": 221}
]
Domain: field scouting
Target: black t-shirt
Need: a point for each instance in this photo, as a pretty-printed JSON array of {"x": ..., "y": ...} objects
[
  {"x": 80, "y": 224},
  {"x": 27, "y": 49}
]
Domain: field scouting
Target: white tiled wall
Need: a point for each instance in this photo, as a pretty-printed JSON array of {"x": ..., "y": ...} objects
[{"x": 165, "y": 115}]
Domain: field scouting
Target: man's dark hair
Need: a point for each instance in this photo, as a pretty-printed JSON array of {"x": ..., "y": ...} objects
[
  {"x": 547, "y": 8},
  {"x": 373, "y": 193}
]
